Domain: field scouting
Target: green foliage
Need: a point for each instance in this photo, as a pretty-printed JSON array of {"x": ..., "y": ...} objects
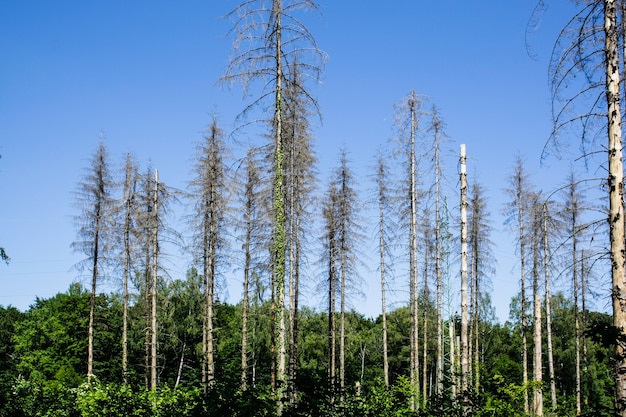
[
  {"x": 507, "y": 399},
  {"x": 43, "y": 363},
  {"x": 95, "y": 399},
  {"x": 41, "y": 399},
  {"x": 9, "y": 317},
  {"x": 51, "y": 340}
]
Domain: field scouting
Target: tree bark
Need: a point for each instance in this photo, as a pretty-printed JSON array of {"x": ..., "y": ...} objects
[
  {"x": 546, "y": 268},
  {"x": 382, "y": 249},
  {"x": 464, "y": 348},
  {"x": 616, "y": 208},
  {"x": 537, "y": 334},
  {"x": 153, "y": 294},
  {"x": 413, "y": 284}
]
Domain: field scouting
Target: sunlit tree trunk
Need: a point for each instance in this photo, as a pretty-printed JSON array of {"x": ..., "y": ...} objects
[
  {"x": 153, "y": 288},
  {"x": 382, "y": 247},
  {"x": 93, "y": 223},
  {"x": 130, "y": 180},
  {"x": 537, "y": 305},
  {"x": 616, "y": 208},
  {"x": 546, "y": 268},
  {"x": 464, "y": 273},
  {"x": 413, "y": 284},
  {"x": 438, "y": 260}
]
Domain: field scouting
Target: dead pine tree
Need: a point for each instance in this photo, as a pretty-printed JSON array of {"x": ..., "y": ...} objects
[
  {"x": 518, "y": 212},
  {"x": 589, "y": 45},
  {"x": 268, "y": 36},
  {"x": 299, "y": 186},
  {"x": 348, "y": 231},
  {"x": 407, "y": 120},
  {"x": 153, "y": 199},
  {"x": 436, "y": 127},
  {"x": 208, "y": 198},
  {"x": 129, "y": 213},
  {"x": 253, "y": 240},
  {"x": 330, "y": 244},
  {"x": 426, "y": 233},
  {"x": 93, "y": 198},
  {"x": 382, "y": 178},
  {"x": 537, "y": 210},
  {"x": 481, "y": 266},
  {"x": 464, "y": 276},
  {"x": 548, "y": 305}
]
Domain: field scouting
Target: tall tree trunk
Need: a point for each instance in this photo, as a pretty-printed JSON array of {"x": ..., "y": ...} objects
[
  {"x": 425, "y": 328},
  {"x": 438, "y": 260},
  {"x": 453, "y": 363},
  {"x": 537, "y": 334},
  {"x": 413, "y": 290},
  {"x": 464, "y": 306},
  {"x": 616, "y": 208},
  {"x": 382, "y": 249},
  {"x": 576, "y": 325},
  {"x": 148, "y": 302},
  {"x": 92, "y": 297},
  {"x": 279, "y": 240},
  {"x": 153, "y": 295},
  {"x": 546, "y": 268},
  {"x": 583, "y": 278},
  {"x": 331, "y": 233},
  {"x": 209, "y": 270},
  {"x": 522, "y": 245},
  {"x": 246, "y": 300}
]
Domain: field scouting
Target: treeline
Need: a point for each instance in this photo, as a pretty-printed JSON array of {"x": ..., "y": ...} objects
[{"x": 43, "y": 361}]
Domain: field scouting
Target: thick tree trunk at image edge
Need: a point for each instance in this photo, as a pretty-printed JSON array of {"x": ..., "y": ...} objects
[{"x": 616, "y": 208}]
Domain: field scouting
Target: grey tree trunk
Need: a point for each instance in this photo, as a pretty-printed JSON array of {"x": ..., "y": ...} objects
[
  {"x": 537, "y": 321},
  {"x": 153, "y": 293},
  {"x": 464, "y": 274},
  {"x": 413, "y": 284},
  {"x": 382, "y": 246},
  {"x": 438, "y": 261},
  {"x": 129, "y": 211},
  {"x": 546, "y": 268},
  {"x": 616, "y": 208},
  {"x": 522, "y": 246}
]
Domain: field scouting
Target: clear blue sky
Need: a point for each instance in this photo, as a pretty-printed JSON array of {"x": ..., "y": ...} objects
[{"x": 145, "y": 73}]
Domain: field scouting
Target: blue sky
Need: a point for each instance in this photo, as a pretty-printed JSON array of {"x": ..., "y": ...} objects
[{"x": 145, "y": 74}]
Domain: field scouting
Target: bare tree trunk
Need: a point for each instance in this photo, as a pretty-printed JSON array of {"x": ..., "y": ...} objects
[
  {"x": 425, "y": 330},
  {"x": 583, "y": 278},
  {"x": 522, "y": 246},
  {"x": 129, "y": 195},
  {"x": 249, "y": 205},
  {"x": 438, "y": 273},
  {"x": 153, "y": 295},
  {"x": 537, "y": 334},
  {"x": 92, "y": 297},
  {"x": 546, "y": 267},
  {"x": 210, "y": 297},
  {"x": 279, "y": 215},
  {"x": 413, "y": 303},
  {"x": 464, "y": 306},
  {"x": 330, "y": 218},
  {"x": 453, "y": 364},
  {"x": 244, "y": 316},
  {"x": 181, "y": 364},
  {"x": 576, "y": 324},
  {"x": 382, "y": 249},
  {"x": 148, "y": 302},
  {"x": 616, "y": 208}
]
